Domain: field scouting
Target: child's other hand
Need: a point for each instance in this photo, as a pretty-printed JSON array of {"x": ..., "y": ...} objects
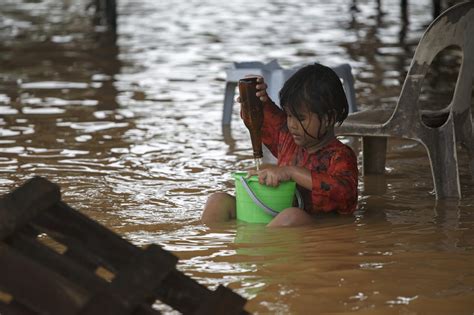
[{"x": 272, "y": 175}]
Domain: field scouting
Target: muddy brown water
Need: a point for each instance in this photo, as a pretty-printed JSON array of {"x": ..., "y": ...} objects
[{"x": 131, "y": 131}]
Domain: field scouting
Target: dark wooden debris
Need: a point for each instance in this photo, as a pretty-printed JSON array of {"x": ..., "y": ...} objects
[{"x": 55, "y": 260}]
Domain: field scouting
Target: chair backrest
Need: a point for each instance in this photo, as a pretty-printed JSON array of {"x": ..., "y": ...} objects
[
  {"x": 275, "y": 76},
  {"x": 454, "y": 27},
  {"x": 344, "y": 72}
]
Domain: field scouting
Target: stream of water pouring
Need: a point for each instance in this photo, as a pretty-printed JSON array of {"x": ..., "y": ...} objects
[{"x": 258, "y": 162}]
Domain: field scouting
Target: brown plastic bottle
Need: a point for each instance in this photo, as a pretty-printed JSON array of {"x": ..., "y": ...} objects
[{"x": 252, "y": 113}]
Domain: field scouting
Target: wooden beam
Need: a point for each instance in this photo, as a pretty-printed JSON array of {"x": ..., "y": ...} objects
[{"x": 25, "y": 203}]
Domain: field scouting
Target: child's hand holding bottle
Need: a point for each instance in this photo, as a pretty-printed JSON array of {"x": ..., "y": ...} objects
[{"x": 261, "y": 89}]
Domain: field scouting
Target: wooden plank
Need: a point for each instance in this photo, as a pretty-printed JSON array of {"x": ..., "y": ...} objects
[
  {"x": 76, "y": 250},
  {"x": 79, "y": 255},
  {"x": 135, "y": 284},
  {"x": 13, "y": 308},
  {"x": 60, "y": 264},
  {"x": 78, "y": 232},
  {"x": 8, "y": 306},
  {"x": 109, "y": 303},
  {"x": 105, "y": 303},
  {"x": 223, "y": 301},
  {"x": 24, "y": 203},
  {"x": 188, "y": 296},
  {"x": 144, "y": 273},
  {"x": 181, "y": 292},
  {"x": 38, "y": 289},
  {"x": 72, "y": 271},
  {"x": 66, "y": 226}
]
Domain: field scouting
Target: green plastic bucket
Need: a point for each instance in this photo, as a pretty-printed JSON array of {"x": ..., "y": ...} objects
[{"x": 275, "y": 198}]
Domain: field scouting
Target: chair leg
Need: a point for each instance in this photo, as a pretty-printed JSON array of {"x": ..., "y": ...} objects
[
  {"x": 374, "y": 153},
  {"x": 466, "y": 134},
  {"x": 228, "y": 102},
  {"x": 470, "y": 152},
  {"x": 444, "y": 165},
  {"x": 375, "y": 184}
]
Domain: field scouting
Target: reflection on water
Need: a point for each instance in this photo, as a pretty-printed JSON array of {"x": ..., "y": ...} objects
[{"x": 131, "y": 130}]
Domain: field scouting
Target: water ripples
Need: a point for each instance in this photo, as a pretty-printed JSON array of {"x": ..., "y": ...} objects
[{"x": 131, "y": 131}]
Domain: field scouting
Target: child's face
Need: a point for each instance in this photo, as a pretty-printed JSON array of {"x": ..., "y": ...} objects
[{"x": 308, "y": 121}]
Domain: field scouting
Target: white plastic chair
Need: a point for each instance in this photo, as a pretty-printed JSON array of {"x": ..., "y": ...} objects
[
  {"x": 438, "y": 131},
  {"x": 275, "y": 76}
]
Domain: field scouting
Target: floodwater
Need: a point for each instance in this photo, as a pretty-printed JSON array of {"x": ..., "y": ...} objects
[{"x": 131, "y": 130}]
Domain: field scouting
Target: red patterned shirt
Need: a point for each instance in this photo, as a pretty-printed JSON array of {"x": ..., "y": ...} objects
[{"x": 333, "y": 167}]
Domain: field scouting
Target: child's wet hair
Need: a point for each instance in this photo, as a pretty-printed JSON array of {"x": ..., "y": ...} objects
[{"x": 318, "y": 89}]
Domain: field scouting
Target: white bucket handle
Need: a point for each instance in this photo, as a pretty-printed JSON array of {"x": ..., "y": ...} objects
[{"x": 263, "y": 206}]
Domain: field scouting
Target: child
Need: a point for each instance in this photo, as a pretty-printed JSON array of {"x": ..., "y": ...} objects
[{"x": 302, "y": 137}]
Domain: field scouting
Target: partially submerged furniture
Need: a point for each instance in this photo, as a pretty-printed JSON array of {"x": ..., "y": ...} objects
[
  {"x": 438, "y": 131},
  {"x": 56, "y": 261},
  {"x": 275, "y": 76}
]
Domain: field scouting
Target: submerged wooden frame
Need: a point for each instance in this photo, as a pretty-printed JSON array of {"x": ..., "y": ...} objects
[{"x": 65, "y": 277}]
